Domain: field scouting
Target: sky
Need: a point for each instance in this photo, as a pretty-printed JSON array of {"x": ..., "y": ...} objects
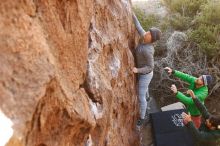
[{"x": 6, "y": 130}]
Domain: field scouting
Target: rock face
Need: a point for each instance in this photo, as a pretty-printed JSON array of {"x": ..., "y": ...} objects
[{"x": 66, "y": 76}]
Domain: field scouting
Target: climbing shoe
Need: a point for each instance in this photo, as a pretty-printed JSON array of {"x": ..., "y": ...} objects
[
  {"x": 139, "y": 123},
  {"x": 149, "y": 99}
]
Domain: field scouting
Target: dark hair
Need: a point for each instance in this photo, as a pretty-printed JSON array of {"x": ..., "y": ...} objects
[{"x": 215, "y": 120}]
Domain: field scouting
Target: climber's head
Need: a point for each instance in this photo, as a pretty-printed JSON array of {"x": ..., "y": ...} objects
[
  {"x": 152, "y": 35},
  {"x": 203, "y": 80}
]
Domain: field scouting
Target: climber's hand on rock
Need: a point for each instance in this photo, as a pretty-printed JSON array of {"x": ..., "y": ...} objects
[
  {"x": 134, "y": 70},
  {"x": 133, "y": 15}
]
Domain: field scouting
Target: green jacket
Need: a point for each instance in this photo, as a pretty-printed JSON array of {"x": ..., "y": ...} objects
[
  {"x": 201, "y": 93},
  {"x": 204, "y": 136}
]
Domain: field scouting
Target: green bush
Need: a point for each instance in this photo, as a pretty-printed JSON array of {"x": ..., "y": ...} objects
[
  {"x": 210, "y": 13},
  {"x": 208, "y": 38},
  {"x": 183, "y": 12},
  {"x": 184, "y": 7},
  {"x": 201, "y": 17},
  {"x": 179, "y": 22},
  {"x": 147, "y": 21},
  {"x": 206, "y": 31}
]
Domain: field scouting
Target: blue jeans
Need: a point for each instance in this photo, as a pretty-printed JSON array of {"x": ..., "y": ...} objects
[{"x": 143, "y": 92}]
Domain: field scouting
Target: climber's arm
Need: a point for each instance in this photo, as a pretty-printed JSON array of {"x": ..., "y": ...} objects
[{"x": 139, "y": 28}]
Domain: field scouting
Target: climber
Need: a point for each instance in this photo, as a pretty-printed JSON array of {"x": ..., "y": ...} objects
[
  {"x": 209, "y": 132},
  {"x": 144, "y": 55},
  {"x": 198, "y": 86}
]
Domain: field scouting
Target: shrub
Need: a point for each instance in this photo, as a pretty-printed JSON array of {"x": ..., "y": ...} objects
[
  {"x": 206, "y": 31},
  {"x": 201, "y": 17},
  {"x": 206, "y": 37},
  {"x": 184, "y": 7},
  {"x": 183, "y": 12},
  {"x": 179, "y": 22},
  {"x": 210, "y": 13}
]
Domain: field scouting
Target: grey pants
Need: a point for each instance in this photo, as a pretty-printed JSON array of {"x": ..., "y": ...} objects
[{"x": 143, "y": 92}]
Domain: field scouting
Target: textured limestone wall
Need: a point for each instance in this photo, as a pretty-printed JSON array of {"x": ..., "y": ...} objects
[{"x": 65, "y": 72}]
